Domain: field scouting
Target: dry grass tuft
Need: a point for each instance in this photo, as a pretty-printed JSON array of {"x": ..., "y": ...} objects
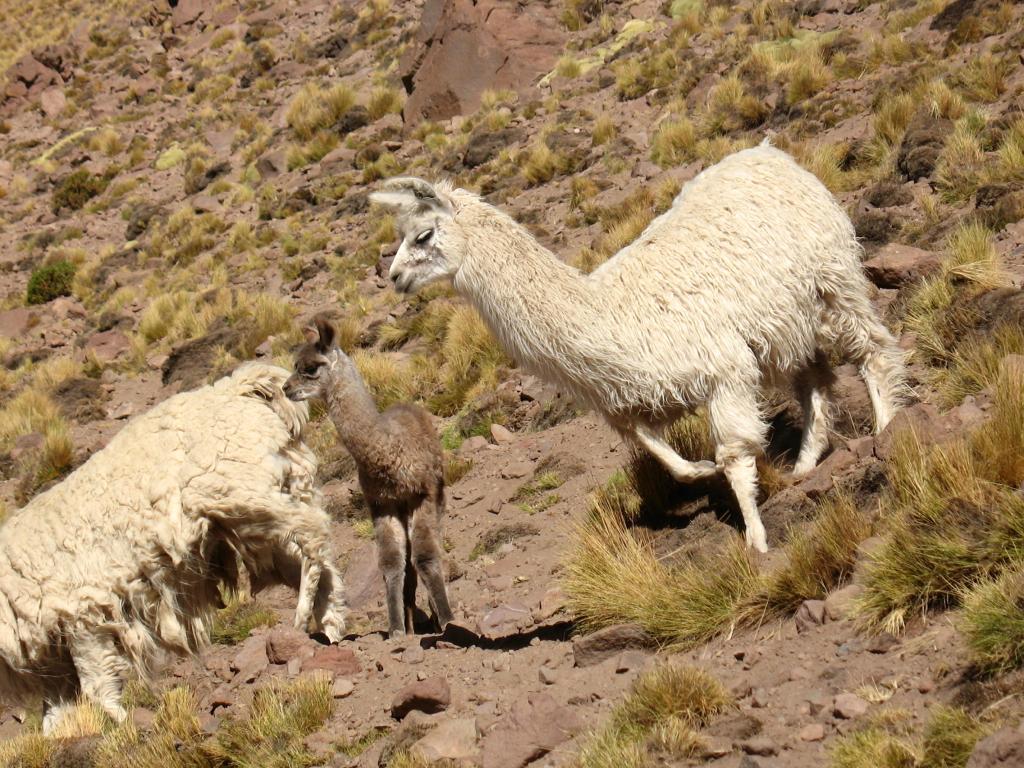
[
  {"x": 674, "y": 143},
  {"x": 542, "y": 164},
  {"x": 384, "y": 101},
  {"x": 314, "y": 107},
  {"x": 948, "y": 738},
  {"x": 993, "y": 622},
  {"x": 612, "y": 577},
  {"x": 663, "y": 713},
  {"x": 955, "y": 516},
  {"x": 817, "y": 559},
  {"x": 280, "y": 718},
  {"x": 669, "y": 692}
]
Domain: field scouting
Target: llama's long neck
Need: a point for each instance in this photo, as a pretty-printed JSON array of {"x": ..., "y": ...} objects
[
  {"x": 354, "y": 413},
  {"x": 545, "y": 313}
]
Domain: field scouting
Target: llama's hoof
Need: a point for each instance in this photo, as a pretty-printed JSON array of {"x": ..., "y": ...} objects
[
  {"x": 757, "y": 540},
  {"x": 334, "y": 630},
  {"x": 396, "y": 634}
]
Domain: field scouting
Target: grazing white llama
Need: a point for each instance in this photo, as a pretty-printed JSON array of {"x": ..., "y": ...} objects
[
  {"x": 401, "y": 473},
  {"x": 121, "y": 562},
  {"x": 748, "y": 280}
]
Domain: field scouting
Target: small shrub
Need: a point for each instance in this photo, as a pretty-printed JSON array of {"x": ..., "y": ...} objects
[
  {"x": 50, "y": 281},
  {"x": 76, "y": 189}
]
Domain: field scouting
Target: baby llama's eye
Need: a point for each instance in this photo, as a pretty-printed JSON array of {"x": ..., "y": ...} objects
[{"x": 423, "y": 237}]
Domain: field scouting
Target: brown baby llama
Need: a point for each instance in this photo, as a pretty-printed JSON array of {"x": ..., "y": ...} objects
[{"x": 401, "y": 472}]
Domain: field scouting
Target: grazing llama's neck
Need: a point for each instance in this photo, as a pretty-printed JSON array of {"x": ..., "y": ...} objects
[{"x": 544, "y": 312}]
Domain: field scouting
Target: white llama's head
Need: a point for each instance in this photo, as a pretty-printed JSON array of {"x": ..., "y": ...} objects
[{"x": 431, "y": 248}]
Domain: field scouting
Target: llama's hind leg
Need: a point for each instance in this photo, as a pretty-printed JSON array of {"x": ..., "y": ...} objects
[
  {"x": 681, "y": 469},
  {"x": 813, "y": 386},
  {"x": 428, "y": 554},
  {"x": 739, "y": 433},
  {"x": 391, "y": 556},
  {"x": 101, "y": 669}
]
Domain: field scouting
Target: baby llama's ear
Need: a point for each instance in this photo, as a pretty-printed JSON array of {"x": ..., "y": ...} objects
[
  {"x": 325, "y": 333},
  {"x": 311, "y": 334}
]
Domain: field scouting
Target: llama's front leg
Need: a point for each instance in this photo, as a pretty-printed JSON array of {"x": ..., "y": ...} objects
[
  {"x": 739, "y": 433},
  {"x": 428, "y": 554},
  {"x": 100, "y": 670},
  {"x": 309, "y": 584},
  {"x": 330, "y": 609},
  {"x": 681, "y": 469},
  {"x": 391, "y": 556}
]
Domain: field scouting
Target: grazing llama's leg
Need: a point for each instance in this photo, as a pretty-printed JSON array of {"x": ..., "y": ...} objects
[
  {"x": 812, "y": 386},
  {"x": 271, "y": 514},
  {"x": 330, "y": 609},
  {"x": 739, "y": 432},
  {"x": 391, "y": 556},
  {"x": 309, "y": 585},
  {"x": 864, "y": 340},
  {"x": 100, "y": 668},
  {"x": 681, "y": 469},
  {"x": 428, "y": 553}
]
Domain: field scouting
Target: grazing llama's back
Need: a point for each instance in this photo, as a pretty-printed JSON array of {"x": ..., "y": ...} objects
[
  {"x": 750, "y": 279},
  {"x": 121, "y": 562}
]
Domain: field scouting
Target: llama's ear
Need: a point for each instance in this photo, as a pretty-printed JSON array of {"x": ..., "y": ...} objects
[
  {"x": 408, "y": 192},
  {"x": 311, "y": 333},
  {"x": 325, "y": 335}
]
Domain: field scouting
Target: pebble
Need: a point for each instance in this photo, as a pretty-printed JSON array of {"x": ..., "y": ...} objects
[
  {"x": 847, "y": 706},
  {"x": 812, "y": 732},
  {"x": 760, "y": 745},
  {"x": 342, "y": 687}
]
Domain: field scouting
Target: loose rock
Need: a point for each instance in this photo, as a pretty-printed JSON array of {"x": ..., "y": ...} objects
[{"x": 430, "y": 696}]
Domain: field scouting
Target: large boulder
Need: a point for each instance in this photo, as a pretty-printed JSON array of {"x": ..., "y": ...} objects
[
  {"x": 464, "y": 47},
  {"x": 28, "y": 77}
]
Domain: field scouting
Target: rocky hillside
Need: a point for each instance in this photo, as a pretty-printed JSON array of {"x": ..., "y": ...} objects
[{"x": 184, "y": 184}]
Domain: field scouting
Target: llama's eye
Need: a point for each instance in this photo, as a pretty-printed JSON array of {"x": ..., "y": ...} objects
[
  {"x": 423, "y": 237},
  {"x": 311, "y": 370}
]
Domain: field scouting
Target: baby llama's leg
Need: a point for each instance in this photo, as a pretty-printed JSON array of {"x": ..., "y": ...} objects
[
  {"x": 391, "y": 556},
  {"x": 681, "y": 469},
  {"x": 428, "y": 553},
  {"x": 812, "y": 386},
  {"x": 739, "y": 433},
  {"x": 409, "y": 588},
  {"x": 100, "y": 670}
]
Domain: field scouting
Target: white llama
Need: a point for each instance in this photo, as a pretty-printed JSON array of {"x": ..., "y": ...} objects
[
  {"x": 748, "y": 280},
  {"x": 121, "y": 562}
]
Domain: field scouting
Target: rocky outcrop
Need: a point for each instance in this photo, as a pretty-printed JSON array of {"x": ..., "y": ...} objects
[{"x": 463, "y": 48}]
